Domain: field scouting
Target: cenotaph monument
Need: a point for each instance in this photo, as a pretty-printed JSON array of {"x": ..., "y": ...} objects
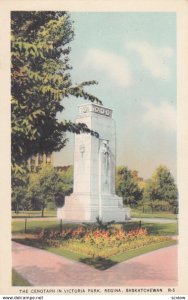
[{"x": 94, "y": 171}]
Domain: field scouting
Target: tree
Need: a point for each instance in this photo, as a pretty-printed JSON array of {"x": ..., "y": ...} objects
[
  {"x": 40, "y": 79},
  {"x": 45, "y": 187},
  {"x": 19, "y": 190},
  {"x": 67, "y": 179},
  {"x": 161, "y": 191},
  {"x": 127, "y": 187}
]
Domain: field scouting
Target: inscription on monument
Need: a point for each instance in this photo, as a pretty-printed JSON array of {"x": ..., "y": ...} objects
[{"x": 96, "y": 109}]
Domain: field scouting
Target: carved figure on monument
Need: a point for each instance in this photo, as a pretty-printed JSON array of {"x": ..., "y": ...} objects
[
  {"x": 82, "y": 161},
  {"x": 82, "y": 150},
  {"x": 105, "y": 168}
]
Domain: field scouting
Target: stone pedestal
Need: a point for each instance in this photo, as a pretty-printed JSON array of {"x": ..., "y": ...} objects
[{"x": 94, "y": 171}]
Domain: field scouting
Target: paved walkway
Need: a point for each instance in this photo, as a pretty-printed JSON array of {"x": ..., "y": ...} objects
[
  {"x": 39, "y": 267},
  {"x": 155, "y": 220}
]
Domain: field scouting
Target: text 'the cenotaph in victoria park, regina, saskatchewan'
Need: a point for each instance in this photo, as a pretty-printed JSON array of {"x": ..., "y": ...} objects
[{"x": 94, "y": 171}]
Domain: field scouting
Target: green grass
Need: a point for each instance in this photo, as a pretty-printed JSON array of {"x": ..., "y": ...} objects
[
  {"x": 34, "y": 214},
  {"x": 154, "y": 228},
  {"x": 36, "y": 226},
  {"x": 18, "y": 280},
  {"x": 18, "y": 227},
  {"x": 162, "y": 215},
  {"x": 161, "y": 228},
  {"x": 33, "y": 226}
]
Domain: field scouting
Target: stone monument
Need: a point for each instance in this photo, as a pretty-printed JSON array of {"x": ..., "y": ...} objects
[{"x": 94, "y": 171}]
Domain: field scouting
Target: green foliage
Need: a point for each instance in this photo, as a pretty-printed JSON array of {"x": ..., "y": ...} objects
[
  {"x": 127, "y": 187},
  {"x": 104, "y": 250},
  {"x": 40, "y": 80},
  {"x": 96, "y": 243},
  {"x": 66, "y": 175},
  {"x": 44, "y": 187},
  {"x": 20, "y": 182},
  {"x": 37, "y": 190},
  {"x": 160, "y": 191},
  {"x": 99, "y": 224},
  {"x": 105, "y": 263}
]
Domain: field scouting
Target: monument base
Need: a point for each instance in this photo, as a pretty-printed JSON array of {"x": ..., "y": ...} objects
[{"x": 78, "y": 208}]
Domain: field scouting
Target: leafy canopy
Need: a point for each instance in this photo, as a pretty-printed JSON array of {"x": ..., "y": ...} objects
[
  {"x": 127, "y": 187},
  {"x": 162, "y": 186},
  {"x": 38, "y": 190},
  {"x": 161, "y": 190},
  {"x": 40, "y": 80},
  {"x": 44, "y": 187}
]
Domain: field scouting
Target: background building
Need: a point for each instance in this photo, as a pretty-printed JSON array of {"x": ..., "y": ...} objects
[{"x": 39, "y": 160}]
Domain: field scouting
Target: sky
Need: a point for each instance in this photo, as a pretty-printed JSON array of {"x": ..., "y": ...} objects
[{"x": 133, "y": 58}]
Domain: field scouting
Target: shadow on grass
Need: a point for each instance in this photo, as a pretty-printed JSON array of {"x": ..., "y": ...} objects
[
  {"x": 30, "y": 242},
  {"x": 35, "y": 227},
  {"x": 152, "y": 228},
  {"x": 98, "y": 263},
  {"x": 162, "y": 229}
]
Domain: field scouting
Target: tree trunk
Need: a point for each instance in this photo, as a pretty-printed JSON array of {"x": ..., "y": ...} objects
[
  {"x": 25, "y": 225},
  {"x": 17, "y": 209},
  {"x": 42, "y": 212}
]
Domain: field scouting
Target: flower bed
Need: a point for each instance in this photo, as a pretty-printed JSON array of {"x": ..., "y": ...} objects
[{"x": 99, "y": 242}]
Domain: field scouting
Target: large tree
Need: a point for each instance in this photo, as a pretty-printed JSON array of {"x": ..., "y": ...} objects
[
  {"x": 127, "y": 187},
  {"x": 161, "y": 191},
  {"x": 40, "y": 79},
  {"x": 19, "y": 191},
  {"x": 66, "y": 175},
  {"x": 46, "y": 186}
]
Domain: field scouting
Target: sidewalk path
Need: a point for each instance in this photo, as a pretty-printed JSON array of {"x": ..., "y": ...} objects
[
  {"x": 155, "y": 220},
  {"x": 41, "y": 268}
]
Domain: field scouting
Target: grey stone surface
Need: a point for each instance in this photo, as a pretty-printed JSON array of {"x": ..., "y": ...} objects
[{"x": 94, "y": 170}]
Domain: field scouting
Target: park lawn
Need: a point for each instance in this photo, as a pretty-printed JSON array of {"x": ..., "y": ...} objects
[
  {"x": 18, "y": 280},
  {"x": 154, "y": 228},
  {"x": 164, "y": 229},
  {"x": 33, "y": 227},
  {"x": 34, "y": 214}
]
